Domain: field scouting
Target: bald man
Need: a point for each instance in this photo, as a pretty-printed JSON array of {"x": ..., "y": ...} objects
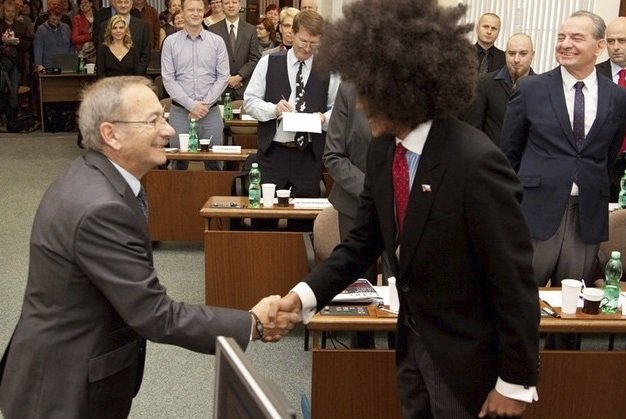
[
  {"x": 611, "y": 68},
  {"x": 308, "y": 5},
  {"x": 495, "y": 88},
  {"x": 490, "y": 58}
]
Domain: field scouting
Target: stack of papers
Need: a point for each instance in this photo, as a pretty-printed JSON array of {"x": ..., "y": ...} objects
[{"x": 360, "y": 291}]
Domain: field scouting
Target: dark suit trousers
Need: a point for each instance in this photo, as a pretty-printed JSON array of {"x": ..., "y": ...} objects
[{"x": 423, "y": 391}]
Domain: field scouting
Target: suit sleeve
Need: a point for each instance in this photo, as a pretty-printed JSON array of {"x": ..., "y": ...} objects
[
  {"x": 336, "y": 158},
  {"x": 144, "y": 48},
  {"x": 245, "y": 71},
  {"x": 110, "y": 248},
  {"x": 515, "y": 127},
  {"x": 476, "y": 113},
  {"x": 493, "y": 213}
]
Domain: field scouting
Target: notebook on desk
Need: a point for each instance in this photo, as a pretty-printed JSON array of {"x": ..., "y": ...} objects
[{"x": 68, "y": 63}]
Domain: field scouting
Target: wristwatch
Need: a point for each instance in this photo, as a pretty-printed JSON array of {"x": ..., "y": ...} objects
[{"x": 258, "y": 325}]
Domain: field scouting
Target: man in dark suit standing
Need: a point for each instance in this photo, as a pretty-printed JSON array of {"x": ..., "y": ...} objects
[
  {"x": 139, "y": 31},
  {"x": 93, "y": 296},
  {"x": 495, "y": 88},
  {"x": 441, "y": 201},
  {"x": 561, "y": 133},
  {"x": 490, "y": 58},
  {"x": 242, "y": 45},
  {"x": 615, "y": 69}
]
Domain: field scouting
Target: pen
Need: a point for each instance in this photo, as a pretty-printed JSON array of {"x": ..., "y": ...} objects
[{"x": 548, "y": 309}]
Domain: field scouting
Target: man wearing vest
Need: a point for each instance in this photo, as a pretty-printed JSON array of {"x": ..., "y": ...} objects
[{"x": 292, "y": 160}]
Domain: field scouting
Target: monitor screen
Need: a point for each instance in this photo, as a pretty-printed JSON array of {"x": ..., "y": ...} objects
[{"x": 241, "y": 392}]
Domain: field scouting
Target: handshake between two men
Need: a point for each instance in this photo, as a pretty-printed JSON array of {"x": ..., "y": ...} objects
[{"x": 277, "y": 315}]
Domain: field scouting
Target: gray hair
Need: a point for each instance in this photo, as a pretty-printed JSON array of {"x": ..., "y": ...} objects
[
  {"x": 599, "y": 27},
  {"x": 103, "y": 101}
]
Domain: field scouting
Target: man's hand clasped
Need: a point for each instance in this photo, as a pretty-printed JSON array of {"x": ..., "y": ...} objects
[{"x": 278, "y": 315}]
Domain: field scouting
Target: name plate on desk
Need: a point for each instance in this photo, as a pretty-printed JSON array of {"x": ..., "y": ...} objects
[
  {"x": 311, "y": 203},
  {"x": 227, "y": 149}
]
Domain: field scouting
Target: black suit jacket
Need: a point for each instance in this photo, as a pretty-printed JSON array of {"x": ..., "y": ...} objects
[
  {"x": 103, "y": 15},
  {"x": 463, "y": 280},
  {"x": 246, "y": 54},
  {"x": 537, "y": 138},
  {"x": 497, "y": 60},
  {"x": 487, "y": 112},
  {"x": 604, "y": 68}
]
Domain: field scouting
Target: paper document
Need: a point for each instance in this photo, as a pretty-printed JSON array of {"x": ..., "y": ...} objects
[
  {"x": 554, "y": 298},
  {"x": 360, "y": 290},
  {"x": 302, "y": 122},
  {"x": 312, "y": 203}
]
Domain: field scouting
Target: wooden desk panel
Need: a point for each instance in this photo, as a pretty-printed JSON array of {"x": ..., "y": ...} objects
[
  {"x": 61, "y": 88},
  {"x": 241, "y": 267},
  {"x": 175, "y": 198},
  {"x": 354, "y": 384}
]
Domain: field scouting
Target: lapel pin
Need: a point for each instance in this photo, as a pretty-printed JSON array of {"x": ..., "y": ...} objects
[{"x": 426, "y": 188}]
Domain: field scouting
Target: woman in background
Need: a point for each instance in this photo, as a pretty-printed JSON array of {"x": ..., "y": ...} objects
[
  {"x": 177, "y": 23},
  {"x": 266, "y": 33},
  {"x": 81, "y": 31},
  {"x": 117, "y": 56},
  {"x": 272, "y": 11},
  {"x": 217, "y": 13}
]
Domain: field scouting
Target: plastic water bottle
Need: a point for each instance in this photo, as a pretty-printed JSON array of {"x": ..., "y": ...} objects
[
  {"x": 82, "y": 69},
  {"x": 621, "y": 200},
  {"x": 612, "y": 275},
  {"x": 193, "y": 136},
  {"x": 254, "y": 190},
  {"x": 228, "y": 107}
]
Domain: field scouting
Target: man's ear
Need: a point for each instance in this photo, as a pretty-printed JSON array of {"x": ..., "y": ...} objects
[{"x": 109, "y": 136}]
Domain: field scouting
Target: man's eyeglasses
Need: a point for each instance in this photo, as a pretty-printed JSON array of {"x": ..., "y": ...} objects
[
  {"x": 307, "y": 44},
  {"x": 156, "y": 123}
]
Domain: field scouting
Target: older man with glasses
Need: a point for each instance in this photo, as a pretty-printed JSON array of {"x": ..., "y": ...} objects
[{"x": 286, "y": 82}]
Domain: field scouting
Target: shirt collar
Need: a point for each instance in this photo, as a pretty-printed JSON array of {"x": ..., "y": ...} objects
[
  {"x": 201, "y": 35},
  {"x": 615, "y": 69},
  {"x": 132, "y": 181},
  {"x": 569, "y": 81},
  {"x": 417, "y": 138},
  {"x": 292, "y": 60},
  {"x": 228, "y": 23}
]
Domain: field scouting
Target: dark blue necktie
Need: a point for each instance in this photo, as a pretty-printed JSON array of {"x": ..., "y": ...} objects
[
  {"x": 143, "y": 202},
  {"x": 579, "y": 114}
]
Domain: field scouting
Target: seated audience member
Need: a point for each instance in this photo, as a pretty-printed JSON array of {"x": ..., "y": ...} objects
[
  {"x": 266, "y": 34},
  {"x": 52, "y": 37},
  {"x": 489, "y": 57},
  {"x": 82, "y": 31},
  {"x": 168, "y": 28},
  {"x": 16, "y": 41},
  {"x": 117, "y": 56},
  {"x": 495, "y": 88},
  {"x": 286, "y": 30},
  {"x": 150, "y": 15},
  {"x": 54, "y": 6},
  {"x": 178, "y": 22},
  {"x": 217, "y": 13},
  {"x": 272, "y": 11}
]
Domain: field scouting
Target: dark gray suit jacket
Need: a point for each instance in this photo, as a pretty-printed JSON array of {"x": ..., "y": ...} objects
[
  {"x": 246, "y": 54},
  {"x": 537, "y": 138},
  {"x": 464, "y": 281},
  {"x": 92, "y": 297},
  {"x": 347, "y": 141}
]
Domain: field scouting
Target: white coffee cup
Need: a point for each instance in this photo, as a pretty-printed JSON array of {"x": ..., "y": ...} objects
[
  {"x": 394, "y": 300},
  {"x": 91, "y": 68},
  {"x": 570, "y": 293},
  {"x": 183, "y": 142},
  {"x": 268, "y": 194}
]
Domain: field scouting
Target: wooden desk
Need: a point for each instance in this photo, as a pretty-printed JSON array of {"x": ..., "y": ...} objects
[
  {"x": 175, "y": 196},
  {"x": 573, "y": 384},
  {"x": 65, "y": 87},
  {"x": 242, "y": 132},
  {"x": 241, "y": 267}
]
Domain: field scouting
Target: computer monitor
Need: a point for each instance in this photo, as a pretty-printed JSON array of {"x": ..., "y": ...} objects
[{"x": 241, "y": 392}]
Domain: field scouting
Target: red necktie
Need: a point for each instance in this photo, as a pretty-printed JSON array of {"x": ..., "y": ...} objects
[
  {"x": 400, "y": 172},
  {"x": 622, "y": 83}
]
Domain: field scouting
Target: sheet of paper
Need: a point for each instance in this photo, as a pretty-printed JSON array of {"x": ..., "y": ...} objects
[
  {"x": 554, "y": 298},
  {"x": 302, "y": 122}
]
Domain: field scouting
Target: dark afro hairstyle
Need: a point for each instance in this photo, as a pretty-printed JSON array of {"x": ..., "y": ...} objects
[{"x": 410, "y": 60}]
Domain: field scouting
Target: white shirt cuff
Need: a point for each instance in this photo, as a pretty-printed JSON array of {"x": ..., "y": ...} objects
[
  {"x": 517, "y": 391},
  {"x": 308, "y": 300}
]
